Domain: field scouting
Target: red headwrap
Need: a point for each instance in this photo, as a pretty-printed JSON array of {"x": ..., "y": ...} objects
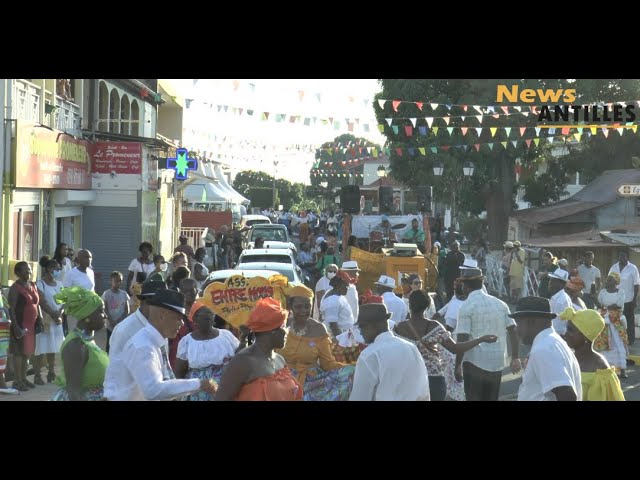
[
  {"x": 197, "y": 305},
  {"x": 369, "y": 297},
  {"x": 268, "y": 315},
  {"x": 344, "y": 276}
]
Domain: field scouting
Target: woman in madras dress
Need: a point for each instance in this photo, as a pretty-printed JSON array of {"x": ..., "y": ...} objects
[
  {"x": 84, "y": 362},
  {"x": 308, "y": 354},
  {"x": 613, "y": 341},
  {"x": 599, "y": 380},
  {"x": 205, "y": 351},
  {"x": 5, "y": 325}
]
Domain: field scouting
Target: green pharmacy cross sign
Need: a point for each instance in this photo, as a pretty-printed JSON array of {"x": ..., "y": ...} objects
[{"x": 182, "y": 164}]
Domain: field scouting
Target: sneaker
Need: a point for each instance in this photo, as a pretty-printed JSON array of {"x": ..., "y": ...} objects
[{"x": 37, "y": 380}]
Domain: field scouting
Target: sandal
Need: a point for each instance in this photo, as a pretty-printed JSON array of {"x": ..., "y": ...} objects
[{"x": 37, "y": 380}]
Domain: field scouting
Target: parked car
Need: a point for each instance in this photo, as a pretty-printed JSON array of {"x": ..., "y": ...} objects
[
  {"x": 257, "y": 255},
  {"x": 270, "y": 233},
  {"x": 276, "y": 245},
  {"x": 250, "y": 220},
  {"x": 292, "y": 272}
]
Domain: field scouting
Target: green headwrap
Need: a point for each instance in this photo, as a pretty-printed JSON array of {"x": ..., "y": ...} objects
[{"x": 79, "y": 302}]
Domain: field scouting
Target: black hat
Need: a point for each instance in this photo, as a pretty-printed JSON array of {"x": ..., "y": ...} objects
[
  {"x": 373, "y": 311},
  {"x": 169, "y": 299},
  {"x": 150, "y": 288},
  {"x": 470, "y": 274},
  {"x": 534, "y": 306}
]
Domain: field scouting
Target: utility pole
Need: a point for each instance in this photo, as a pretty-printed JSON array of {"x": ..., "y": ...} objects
[{"x": 275, "y": 171}]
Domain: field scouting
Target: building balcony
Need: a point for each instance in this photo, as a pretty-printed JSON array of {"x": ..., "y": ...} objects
[
  {"x": 26, "y": 101},
  {"x": 67, "y": 117}
]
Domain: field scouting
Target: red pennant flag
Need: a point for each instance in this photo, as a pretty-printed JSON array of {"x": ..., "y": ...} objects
[
  {"x": 419, "y": 105},
  {"x": 528, "y": 142},
  {"x": 477, "y": 147},
  {"x": 522, "y": 130},
  {"x": 565, "y": 131},
  {"x": 464, "y": 130},
  {"x": 343, "y": 163},
  {"x": 399, "y": 151},
  {"x": 408, "y": 130},
  {"x": 360, "y": 150},
  {"x": 395, "y": 104},
  {"x": 446, "y": 148},
  {"x": 505, "y": 110},
  {"x": 464, "y": 107}
]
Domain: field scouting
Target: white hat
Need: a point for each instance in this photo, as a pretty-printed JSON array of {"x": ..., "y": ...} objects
[
  {"x": 437, "y": 244},
  {"x": 319, "y": 240},
  {"x": 560, "y": 274},
  {"x": 508, "y": 244},
  {"x": 350, "y": 265},
  {"x": 469, "y": 263},
  {"x": 386, "y": 281},
  {"x": 563, "y": 262}
]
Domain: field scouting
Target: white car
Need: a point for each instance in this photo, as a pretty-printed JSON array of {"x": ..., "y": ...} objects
[
  {"x": 222, "y": 275},
  {"x": 250, "y": 220},
  {"x": 276, "y": 245},
  {"x": 260, "y": 255},
  {"x": 292, "y": 272}
]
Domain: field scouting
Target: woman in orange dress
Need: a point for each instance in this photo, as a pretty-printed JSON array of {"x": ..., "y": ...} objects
[
  {"x": 257, "y": 372},
  {"x": 308, "y": 353}
]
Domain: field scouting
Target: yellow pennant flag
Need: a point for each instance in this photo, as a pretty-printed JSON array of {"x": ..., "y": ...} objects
[
  {"x": 381, "y": 128},
  {"x": 422, "y": 151},
  {"x": 536, "y": 141},
  {"x": 593, "y": 130},
  {"x": 375, "y": 152},
  {"x": 634, "y": 128},
  {"x": 435, "y": 130},
  {"x": 493, "y": 131}
]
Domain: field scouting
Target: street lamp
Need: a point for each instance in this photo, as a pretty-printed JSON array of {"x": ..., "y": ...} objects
[
  {"x": 324, "y": 184},
  {"x": 468, "y": 169},
  {"x": 438, "y": 168},
  {"x": 381, "y": 172}
]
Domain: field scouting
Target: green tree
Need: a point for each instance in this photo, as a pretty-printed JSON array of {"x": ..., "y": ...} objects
[
  {"x": 334, "y": 166},
  {"x": 250, "y": 183}
]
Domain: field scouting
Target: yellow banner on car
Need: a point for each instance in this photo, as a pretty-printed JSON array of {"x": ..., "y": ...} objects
[{"x": 236, "y": 298}]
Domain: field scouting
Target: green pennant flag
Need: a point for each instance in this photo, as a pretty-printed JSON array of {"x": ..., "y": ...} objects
[
  {"x": 381, "y": 128},
  {"x": 204, "y": 194},
  {"x": 435, "y": 130},
  {"x": 450, "y": 130},
  {"x": 395, "y": 129},
  {"x": 490, "y": 146},
  {"x": 422, "y": 151},
  {"x": 507, "y": 131},
  {"x": 536, "y": 141},
  {"x": 504, "y": 144},
  {"x": 434, "y": 149}
]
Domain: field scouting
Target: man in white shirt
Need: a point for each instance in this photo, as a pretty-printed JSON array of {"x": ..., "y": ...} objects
[
  {"x": 390, "y": 368},
  {"x": 450, "y": 311},
  {"x": 394, "y": 304},
  {"x": 552, "y": 371},
  {"x": 629, "y": 283},
  {"x": 559, "y": 299},
  {"x": 479, "y": 315},
  {"x": 145, "y": 373},
  {"x": 80, "y": 276},
  {"x": 590, "y": 274},
  {"x": 322, "y": 285},
  {"x": 351, "y": 268}
]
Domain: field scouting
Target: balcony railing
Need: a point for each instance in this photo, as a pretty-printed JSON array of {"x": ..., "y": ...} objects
[
  {"x": 26, "y": 101},
  {"x": 68, "y": 116}
]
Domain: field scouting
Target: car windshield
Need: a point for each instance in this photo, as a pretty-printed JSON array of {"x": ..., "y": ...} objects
[
  {"x": 273, "y": 234},
  {"x": 287, "y": 272},
  {"x": 266, "y": 258},
  {"x": 257, "y": 221}
]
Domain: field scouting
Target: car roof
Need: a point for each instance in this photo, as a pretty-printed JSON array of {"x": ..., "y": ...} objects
[
  {"x": 267, "y": 265},
  {"x": 267, "y": 251},
  {"x": 249, "y": 273},
  {"x": 255, "y": 217},
  {"x": 262, "y": 226}
]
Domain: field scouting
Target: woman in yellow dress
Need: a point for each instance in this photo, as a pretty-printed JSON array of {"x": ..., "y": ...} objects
[
  {"x": 599, "y": 379},
  {"x": 308, "y": 353}
]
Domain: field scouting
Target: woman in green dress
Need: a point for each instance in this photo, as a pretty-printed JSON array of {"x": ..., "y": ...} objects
[{"x": 84, "y": 362}]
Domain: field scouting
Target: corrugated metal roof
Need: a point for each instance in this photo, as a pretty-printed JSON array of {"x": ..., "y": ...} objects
[
  {"x": 583, "y": 239},
  {"x": 602, "y": 191},
  {"x": 631, "y": 239}
]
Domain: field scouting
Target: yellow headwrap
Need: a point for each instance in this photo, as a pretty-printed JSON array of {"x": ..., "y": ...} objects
[
  {"x": 589, "y": 322},
  {"x": 616, "y": 277},
  {"x": 78, "y": 302},
  {"x": 299, "y": 291}
]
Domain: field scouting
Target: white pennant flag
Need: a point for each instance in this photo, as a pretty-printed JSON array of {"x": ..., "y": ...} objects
[
  {"x": 526, "y": 114},
  {"x": 491, "y": 109},
  {"x": 381, "y": 103},
  {"x": 515, "y": 143},
  {"x": 477, "y": 107},
  {"x": 537, "y": 129},
  {"x": 620, "y": 130},
  {"x": 507, "y": 130},
  {"x": 479, "y": 130},
  {"x": 389, "y": 120},
  {"x": 479, "y": 117},
  {"x": 434, "y": 105},
  {"x": 463, "y": 117},
  {"x": 518, "y": 108},
  {"x": 413, "y": 121},
  {"x": 429, "y": 121},
  {"x": 450, "y": 130},
  {"x": 550, "y": 139}
]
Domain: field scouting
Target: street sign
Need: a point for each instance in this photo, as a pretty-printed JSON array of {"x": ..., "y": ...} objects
[{"x": 629, "y": 190}]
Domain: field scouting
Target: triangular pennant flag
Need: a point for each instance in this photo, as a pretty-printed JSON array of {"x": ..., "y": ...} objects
[
  {"x": 526, "y": 114},
  {"x": 493, "y": 131},
  {"x": 518, "y": 108},
  {"x": 375, "y": 152},
  {"x": 620, "y": 130},
  {"x": 434, "y": 105},
  {"x": 522, "y": 130},
  {"x": 422, "y": 151},
  {"x": 477, "y": 147},
  {"x": 514, "y": 143},
  {"x": 507, "y": 131},
  {"x": 464, "y": 107},
  {"x": 408, "y": 130},
  {"x": 435, "y": 130},
  {"x": 577, "y": 136},
  {"x": 413, "y": 121},
  {"x": 605, "y": 132},
  {"x": 504, "y": 144},
  {"x": 477, "y": 107},
  {"x": 419, "y": 105},
  {"x": 389, "y": 120},
  {"x": 505, "y": 110},
  {"x": 552, "y": 131},
  {"x": 634, "y": 129},
  {"x": 395, "y": 104},
  {"x": 528, "y": 142},
  {"x": 446, "y": 120},
  {"x": 381, "y": 103},
  {"x": 219, "y": 107},
  {"x": 491, "y": 109},
  {"x": 496, "y": 116},
  {"x": 463, "y": 117},
  {"x": 429, "y": 121},
  {"x": 536, "y": 141},
  {"x": 399, "y": 151},
  {"x": 381, "y": 128},
  {"x": 395, "y": 129},
  {"x": 422, "y": 129},
  {"x": 464, "y": 130},
  {"x": 550, "y": 139},
  {"x": 479, "y": 130},
  {"x": 434, "y": 149},
  {"x": 479, "y": 117},
  {"x": 565, "y": 131},
  {"x": 265, "y": 116},
  {"x": 449, "y": 106},
  {"x": 330, "y": 119},
  {"x": 537, "y": 129},
  {"x": 534, "y": 109},
  {"x": 490, "y": 146},
  {"x": 450, "y": 130}
]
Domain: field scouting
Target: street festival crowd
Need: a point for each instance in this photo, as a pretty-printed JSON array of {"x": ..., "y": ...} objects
[{"x": 164, "y": 341}]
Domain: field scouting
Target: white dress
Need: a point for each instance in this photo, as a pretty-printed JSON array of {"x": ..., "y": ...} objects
[
  {"x": 51, "y": 339},
  {"x": 617, "y": 355},
  {"x": 205, "y": 353}
]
